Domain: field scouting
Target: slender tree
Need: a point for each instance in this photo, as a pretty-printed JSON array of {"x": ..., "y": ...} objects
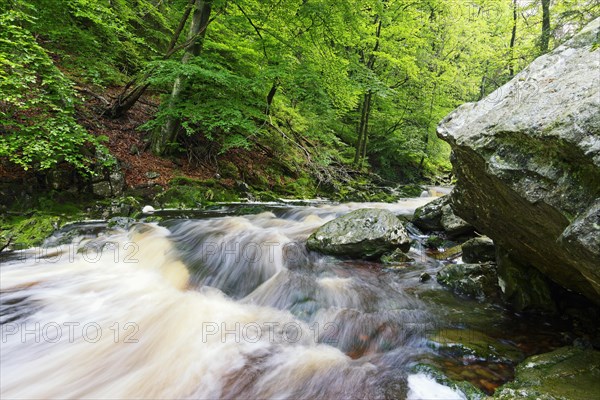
[
  {"x": 168, "y": 132},
  {"x": 365, "y": 107},
  {"x": 513, "y": 38},
  {"x": 545, "y": 36},
  {"x": 132, "y": 92}
]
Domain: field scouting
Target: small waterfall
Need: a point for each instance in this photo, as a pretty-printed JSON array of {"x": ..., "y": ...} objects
[{"x": 225, "y": 307}]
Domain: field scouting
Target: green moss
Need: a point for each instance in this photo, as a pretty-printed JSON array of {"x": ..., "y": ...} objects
[
  {"x": 266, "y": 196},
  {"x": 192, "y": 193},
  {"x": 185, "y": 181},
  {"x": 434, "y": 242},
  {"x": 567, "y": 373},
  {"x": 410, "y": 190},
  {"x": 228, "y": 170},
  {"x": 25, "y": 232},
  {"x": 29, "y": 229}
]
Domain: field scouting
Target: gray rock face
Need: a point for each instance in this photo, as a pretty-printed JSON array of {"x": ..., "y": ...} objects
[
  {"x": 453, "y": 224},
  {"x": 439, "y": 216},
  {"x": 527, "y": 159},
  {"x": 367, "y": 233},
  {"x": 478, "y": 249}
]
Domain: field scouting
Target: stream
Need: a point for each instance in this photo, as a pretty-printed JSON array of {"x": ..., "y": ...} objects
[{"x": 218, "y": 304}]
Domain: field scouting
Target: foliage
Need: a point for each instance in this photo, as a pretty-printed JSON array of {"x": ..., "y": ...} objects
[
  {"x": 37, "y": 108},
  {"x": 287, "y": 79}
]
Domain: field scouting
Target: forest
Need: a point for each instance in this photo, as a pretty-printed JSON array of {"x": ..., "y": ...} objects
[
  {"x": 329, "y": 88},
  {"x": 300, "y": 199}
]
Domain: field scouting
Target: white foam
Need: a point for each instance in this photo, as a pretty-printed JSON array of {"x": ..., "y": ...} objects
[{"x": 423, "y": 387}]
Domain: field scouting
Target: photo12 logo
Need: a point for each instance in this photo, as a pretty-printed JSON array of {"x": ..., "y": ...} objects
[
  {"x": 53, "y": 332},
  {"x": 91, "y": 252},
  {"x": 273, "y": 332}
]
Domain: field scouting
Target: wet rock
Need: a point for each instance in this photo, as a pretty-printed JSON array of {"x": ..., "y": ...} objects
[
  {"x": 479, "y": 249},
  {"x": 474, "y": 345},
  {"x": 453, "y": 225},
  {"x": 527, "y": 160},
  {"x": 567, "y": 373},
  {"x": 439, "y": 216},
  {"x": 474, "y": 280},
  {"x": 424, "y": 277},
  {"x": 395, "y": 257},
  {"x": 525, "y": 288},
  {"x": 365, "y": 233},
  {"x": 429, "y": 216}
]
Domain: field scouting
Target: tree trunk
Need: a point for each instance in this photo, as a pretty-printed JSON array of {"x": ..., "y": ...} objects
[
  {"x": 271, "y": 95},
  {"x": 513, "y": 38},
  {"x": 545, "y": 38},
  {"x": 167, "y": 134},
  {"x": 366, "y": 128},
  {"x": 426, "y": 137},
  {"x": 360, "y": 131},
  {"x": 125, "y": 100},
  {"x": 363, "y": 126}
]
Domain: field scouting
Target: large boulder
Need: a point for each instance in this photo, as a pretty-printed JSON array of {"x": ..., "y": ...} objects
[
  {"x": 367, "y": 233},
  {"x": 527, "y": 159}
]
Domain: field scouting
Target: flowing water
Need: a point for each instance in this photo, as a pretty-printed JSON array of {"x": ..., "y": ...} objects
[{"x": 214, "y": 305}]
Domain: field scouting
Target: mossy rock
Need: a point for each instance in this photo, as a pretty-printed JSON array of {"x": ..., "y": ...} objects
[
  {"x": 31, "y": 229},
  {"x": 395, "y": 257},
  {"x": 25, "y": 232},
  {"x": 471, "y": 344},
  {"x": 410, "y": 190},
  {"x": 567, "y": 373},
  {"x": 475, "y": 280},
  {"x": 194, "y": 194},
  {"x": 434, "y": 242}
]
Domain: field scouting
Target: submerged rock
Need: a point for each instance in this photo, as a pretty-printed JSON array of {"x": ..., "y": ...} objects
[
  {"x": 479, "y": 249},
  {"x": 567, "y": 373},
  {"x": 474, "y": 280},
  {"x": 367, "y": 233},
  {"x": 527, "y": 159},
  {"x": 473, "y": 345}
]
